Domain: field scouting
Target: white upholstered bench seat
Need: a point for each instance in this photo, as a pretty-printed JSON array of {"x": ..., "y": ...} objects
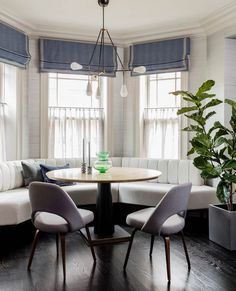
[
  {"x": 14, "y": 198},
  {"x": 15, "y": 205},
  {"x": 150, "y": 194}
]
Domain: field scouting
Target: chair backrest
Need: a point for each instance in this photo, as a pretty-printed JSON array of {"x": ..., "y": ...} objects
[
  {"x": 46, "y": 197},
  {"x": 175, "y": 201}
]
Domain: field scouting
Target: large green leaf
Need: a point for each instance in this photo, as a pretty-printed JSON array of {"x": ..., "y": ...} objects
[
  {"x": 197, "y": 117},
  {"x": 184, "y": 94},
  {"x": 206, "y": 86},
  {"x": 222, "y": 191},
  {"x": 231, "y": 103},
  {"x": 233, "y": 153},
  {"x": 217, "y": 125},
  {"x": 190, "y": 152},
  {"x": 212, "y": 103},
  {"x": 202, "y": 163},
  {"x": 189, "y": 99},
  {"x": 195, "y": 128},
  {"x": 203, "y": 139},
  {"x": 231, "y": 178},
  {"x": 219, "y": 141},
  {"x": 204, "y": 96},
  {"x": 187, "y": 109},
  {"x": 200, "y": 149},
  {"x": 210, "y": 114},
  {"x": 219, "y": 133},
  {"x": 230, "y": 164},
  {"x": 221, "y": 154},
  {"x": 209, "y": 173}
]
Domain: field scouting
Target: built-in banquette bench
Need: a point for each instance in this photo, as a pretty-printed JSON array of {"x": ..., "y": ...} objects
[{"x": 14, "y": 198}]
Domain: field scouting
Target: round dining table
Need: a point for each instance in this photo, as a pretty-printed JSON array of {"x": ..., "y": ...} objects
[{"x": 104, "y": 229}]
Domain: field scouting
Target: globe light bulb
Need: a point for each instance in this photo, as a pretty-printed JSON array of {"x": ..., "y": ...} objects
[
  {"x": 89, "y": 90},
  {"x": 123, "y": 91},
  {"x": 75, "y": 66},
  {"x": 139, "y": 70}
]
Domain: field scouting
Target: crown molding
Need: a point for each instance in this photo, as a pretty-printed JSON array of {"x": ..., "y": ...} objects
[
  {"x": 218, "y": 21},
  {"x": 13, "y": 20},
  {"x": 221, "y": 19},
  {"x": 164, "y": 32},
  {"x": 123, "y": 39}
]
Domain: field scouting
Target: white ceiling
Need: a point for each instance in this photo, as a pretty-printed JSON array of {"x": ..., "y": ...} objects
[{"x": 124, "y": 18}]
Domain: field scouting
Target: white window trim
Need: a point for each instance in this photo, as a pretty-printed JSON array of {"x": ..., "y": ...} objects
[
  {"x": 44, "y": 91},
  {"x": 44, "y": 97},
  {"x": 143, "y": 93}
]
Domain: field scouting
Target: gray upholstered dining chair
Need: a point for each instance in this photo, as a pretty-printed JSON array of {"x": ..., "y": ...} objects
[
  {"x": 167, "y": 218},
  {"x": 53, "y": 211}
]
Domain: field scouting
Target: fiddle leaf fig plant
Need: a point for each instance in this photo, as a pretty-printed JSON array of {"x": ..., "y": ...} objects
[{"x": 215, "y": 146}]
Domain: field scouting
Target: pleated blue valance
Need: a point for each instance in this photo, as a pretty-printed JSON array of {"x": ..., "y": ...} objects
[
  {"x": 161, "y": 56},
  {"x": 14, "y": 46},
  {"x": 57, "y": 55}
]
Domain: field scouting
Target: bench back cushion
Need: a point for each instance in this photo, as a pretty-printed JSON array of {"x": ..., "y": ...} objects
[{"x": 173, "y": 171}]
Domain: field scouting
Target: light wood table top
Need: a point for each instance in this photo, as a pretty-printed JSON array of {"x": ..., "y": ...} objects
[{"x": 113, "y": 175}]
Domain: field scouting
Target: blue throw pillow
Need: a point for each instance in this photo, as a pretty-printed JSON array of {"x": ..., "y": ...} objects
[{"x": 46, "y": 168}]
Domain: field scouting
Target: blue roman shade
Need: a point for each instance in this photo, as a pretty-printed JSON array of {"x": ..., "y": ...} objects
[
  {"x": 57, "y": 55},
  {"x": 14, "y": 46},
  {"x": 161, "y": 56}
]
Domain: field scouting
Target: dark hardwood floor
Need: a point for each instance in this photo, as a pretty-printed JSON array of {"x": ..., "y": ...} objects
[{"x": 213, "y": 268}]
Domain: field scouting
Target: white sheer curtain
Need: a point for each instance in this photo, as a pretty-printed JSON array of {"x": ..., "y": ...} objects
[
  {"x": 2, "y": 133},
  {"x": 161, "y": 133},
  {"x": 68, "y": 127}
]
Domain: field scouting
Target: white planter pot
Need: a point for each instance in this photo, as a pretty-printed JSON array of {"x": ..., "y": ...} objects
[{"x": 222, "y": 226}]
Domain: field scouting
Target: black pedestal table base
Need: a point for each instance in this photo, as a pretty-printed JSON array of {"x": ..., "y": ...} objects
[
  {"x": 103, "y": 223},
  {"x": 120, "y": 235},
  {"x": 104, "y": 231}
]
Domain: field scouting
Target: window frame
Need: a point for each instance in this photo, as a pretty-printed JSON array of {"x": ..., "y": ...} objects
[
  {"x": 44, "y": 84},
  {"x": 143, "y": 104}
]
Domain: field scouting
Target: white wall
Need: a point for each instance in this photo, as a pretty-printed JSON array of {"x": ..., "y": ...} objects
[
  {"x": 11, "y": 109},
  {"x": 34, "y": 100},
  {"x": 230, "y": 75}
]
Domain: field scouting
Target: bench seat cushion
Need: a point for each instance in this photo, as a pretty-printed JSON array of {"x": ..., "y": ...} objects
[
  {"x": 14, "y": 206},
  {"x": 149, "y": 194}
]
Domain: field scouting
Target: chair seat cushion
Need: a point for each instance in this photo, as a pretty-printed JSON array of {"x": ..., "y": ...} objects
[
  {"x": 138, "y": 218},
  {"x": 87, "y": 215},
  {"x": 49, "y": 222},
  {"x": 172, "y": 225}
]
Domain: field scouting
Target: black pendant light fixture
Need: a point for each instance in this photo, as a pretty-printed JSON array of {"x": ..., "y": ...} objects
[{"x": 100, "y": 45}]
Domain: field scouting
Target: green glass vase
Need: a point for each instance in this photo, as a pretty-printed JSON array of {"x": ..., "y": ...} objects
[{"x": 103, "y": 163}]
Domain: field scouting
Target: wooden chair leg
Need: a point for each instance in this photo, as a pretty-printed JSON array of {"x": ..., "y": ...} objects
[
  {"x": 129, "y": 248},
  {"x": 57, "y": 244},
  {"x": 185, "y": 250},
  {"x": 36, "y": 237},
  {"x": 167, "y": 250},
  {"x": 151, "y": 246},
  {"x": 90, "y": 243},
  {"x": 63, "y": 254}
]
